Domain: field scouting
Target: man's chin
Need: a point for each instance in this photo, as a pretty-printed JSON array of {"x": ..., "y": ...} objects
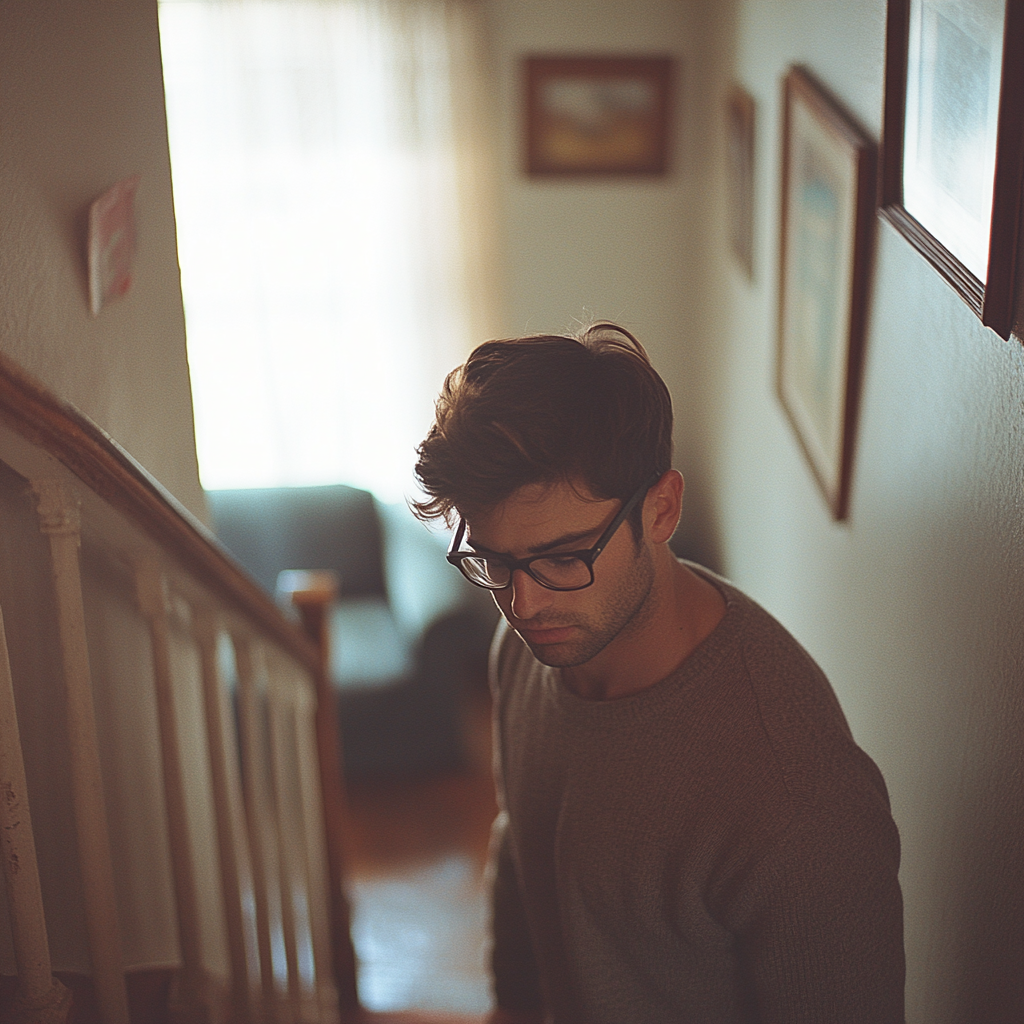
[
  {"x": 555, "y": 658},
  {"x": 557, "y": 653}
]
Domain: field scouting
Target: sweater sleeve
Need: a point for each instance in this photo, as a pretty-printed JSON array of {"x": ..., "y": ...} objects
[
  {"x": 823, "y": 935},
  {"x": 513, "y": 965}
]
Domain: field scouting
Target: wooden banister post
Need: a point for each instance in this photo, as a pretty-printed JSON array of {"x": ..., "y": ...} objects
[
  {"x": 262, "y": 845},
  {"x": 315, "y": 849},
  {"x": 40, "y": 998},
  {"x": 232, "y": 841},
  {"x": 312, "y": 593},
  {"x": 294, "y": 884},
  {"x": 59, "y": 519},
  {"x": 189, "y": 995}
]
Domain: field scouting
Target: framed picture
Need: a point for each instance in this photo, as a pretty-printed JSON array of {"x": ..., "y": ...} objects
[
  {"x": 740, "y": 176},
  {"x": 111, "y": 245},
  {"x": 953, "y": 143},
  {"x": 597, "y": 115},
  {"x": 828, "y": 210}
]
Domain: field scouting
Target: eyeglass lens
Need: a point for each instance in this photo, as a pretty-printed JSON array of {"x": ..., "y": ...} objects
[{"x": 553, "y": 572}]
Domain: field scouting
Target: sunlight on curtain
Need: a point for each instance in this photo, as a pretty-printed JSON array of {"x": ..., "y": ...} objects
[{"x": 331, "y": 169}]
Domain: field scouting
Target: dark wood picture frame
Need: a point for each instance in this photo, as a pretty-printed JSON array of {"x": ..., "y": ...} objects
[
  {"x": 598, "y": 115},
  {"x": 829, "y": 168},
  {"x": 740, "y": 113},
  {"x": 992, "y": 299}
]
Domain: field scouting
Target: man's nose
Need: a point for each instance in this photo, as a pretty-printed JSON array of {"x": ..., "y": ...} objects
[{"x": 528, "y": 596}]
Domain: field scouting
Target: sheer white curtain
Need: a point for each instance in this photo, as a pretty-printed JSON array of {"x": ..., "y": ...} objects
[{"x": 331, "y": 174}]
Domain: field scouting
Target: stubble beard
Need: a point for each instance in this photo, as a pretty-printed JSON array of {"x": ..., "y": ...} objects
[{"x": 628, "y": 608}]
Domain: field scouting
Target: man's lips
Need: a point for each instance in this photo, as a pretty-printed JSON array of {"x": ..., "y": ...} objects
[{"x": 542, "y": 635}]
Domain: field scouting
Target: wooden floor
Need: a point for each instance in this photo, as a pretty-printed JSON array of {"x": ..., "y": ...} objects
[{"x": 416, "y": 858}]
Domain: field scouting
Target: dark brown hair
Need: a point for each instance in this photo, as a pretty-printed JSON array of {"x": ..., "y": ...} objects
[{"x": 586, "y": 408}]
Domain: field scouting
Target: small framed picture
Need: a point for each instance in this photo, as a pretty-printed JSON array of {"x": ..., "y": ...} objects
[
  {"x": 740, "y": 175},
  {"x": 597, "y": 115},
  {"x": 111, "y": 246},
  {"x": 953, "y": 143},
  {"x": 828, "y": 209}
]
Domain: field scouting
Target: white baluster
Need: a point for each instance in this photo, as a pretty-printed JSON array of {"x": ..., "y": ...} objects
[
  {"x": 40, "y": 998},
  {"x": 315, "y": 851},
  {"x": 263, "y": 841},
  {"x": 190, "y": 996},
  {"x": 59, "y": 519},
  {"x": 233, "y": 846},
  {"x": 294, "y": 886}
]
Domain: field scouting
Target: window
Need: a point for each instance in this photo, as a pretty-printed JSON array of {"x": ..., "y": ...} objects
[{"x": 330, "y": 168}]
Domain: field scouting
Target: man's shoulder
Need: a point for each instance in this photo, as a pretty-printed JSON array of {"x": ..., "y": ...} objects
[
  {"x": 768, "y": 649},
  {"x": 785, "y": 692}
]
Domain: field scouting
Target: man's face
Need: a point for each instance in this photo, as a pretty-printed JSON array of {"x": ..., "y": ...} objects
[{"x": 566, "y": 628}]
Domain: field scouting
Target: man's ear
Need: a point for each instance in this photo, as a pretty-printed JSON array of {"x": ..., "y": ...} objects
[{"x": 663, "y": 506}]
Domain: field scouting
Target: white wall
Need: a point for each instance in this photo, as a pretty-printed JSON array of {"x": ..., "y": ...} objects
[
  {"x": 914, "y": 606},
  {"x": 81, "y": 104},
  {"x": 626, "y": 250}
]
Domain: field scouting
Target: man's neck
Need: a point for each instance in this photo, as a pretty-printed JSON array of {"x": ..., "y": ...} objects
[{"x": 680, "y": 612}]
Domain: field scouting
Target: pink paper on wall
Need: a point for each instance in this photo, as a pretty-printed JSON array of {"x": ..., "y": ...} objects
[{"x": 111, "y": 243}]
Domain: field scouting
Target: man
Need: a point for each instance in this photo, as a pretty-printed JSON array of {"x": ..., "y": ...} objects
[{"x": 688, "y": 832}]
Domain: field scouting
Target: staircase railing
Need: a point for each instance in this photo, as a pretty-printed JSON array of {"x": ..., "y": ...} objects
[{"x": 174, "y": 734}]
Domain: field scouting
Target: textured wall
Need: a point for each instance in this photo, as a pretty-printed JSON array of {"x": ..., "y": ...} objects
[{"x": 81, "y": 104}]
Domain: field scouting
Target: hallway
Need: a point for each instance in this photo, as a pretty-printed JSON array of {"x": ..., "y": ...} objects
[{"x": 417, "y": 852}]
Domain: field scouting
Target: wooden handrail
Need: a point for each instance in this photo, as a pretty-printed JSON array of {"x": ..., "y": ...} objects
[{"x": 107, "y": 469}]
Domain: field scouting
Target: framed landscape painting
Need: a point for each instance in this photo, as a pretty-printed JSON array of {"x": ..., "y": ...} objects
[
  {"x": 828, "y": 208},
  {"x": 597, "y": 115}
]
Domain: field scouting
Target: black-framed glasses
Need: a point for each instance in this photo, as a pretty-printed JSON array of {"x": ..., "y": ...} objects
[{"x": 563, "y": 570}]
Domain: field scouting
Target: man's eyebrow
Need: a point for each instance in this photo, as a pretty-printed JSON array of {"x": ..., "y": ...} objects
[{"x": 565, "y": 539}]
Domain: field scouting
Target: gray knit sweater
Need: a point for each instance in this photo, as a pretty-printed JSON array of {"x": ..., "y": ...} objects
[{"x": 715, "y": 848}]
